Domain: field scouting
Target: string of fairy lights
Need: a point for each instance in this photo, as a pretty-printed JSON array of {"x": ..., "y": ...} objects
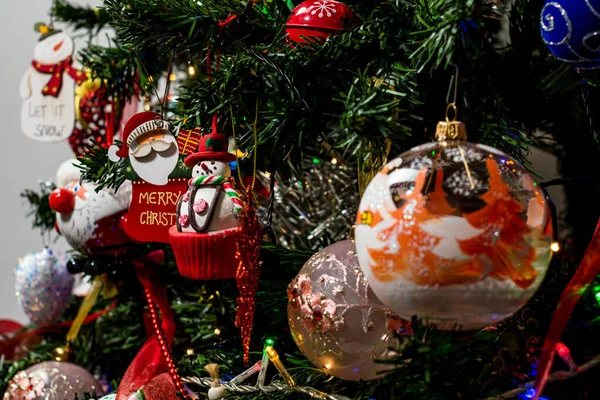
[{"x": 235, "y": 385}]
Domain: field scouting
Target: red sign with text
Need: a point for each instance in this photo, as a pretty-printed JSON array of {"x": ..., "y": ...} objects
[{"x": 153, "y": 209}]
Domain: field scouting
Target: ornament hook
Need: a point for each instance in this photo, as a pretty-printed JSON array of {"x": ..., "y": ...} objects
[
  {"x": 451, "y": 107},
  {"x": 451, "y": 129},
  {"x": 453, "y": 79}
]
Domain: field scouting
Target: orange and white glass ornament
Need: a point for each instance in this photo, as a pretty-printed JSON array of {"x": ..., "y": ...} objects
[{"x": 455, "y": 233}]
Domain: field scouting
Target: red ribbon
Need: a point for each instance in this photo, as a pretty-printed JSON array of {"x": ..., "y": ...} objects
[
  {"x": 8, "y": 327},
  {"x": 54, "y": 85},
  {"x": 222, "y": 24},
  {"x": 588, "y": 269},
  {"x": 149, "y": 362}
]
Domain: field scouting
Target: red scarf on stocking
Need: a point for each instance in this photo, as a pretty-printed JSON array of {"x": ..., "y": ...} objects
[{"x": 54, "y": 85}]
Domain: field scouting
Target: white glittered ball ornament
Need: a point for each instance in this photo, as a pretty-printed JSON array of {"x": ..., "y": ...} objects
[
  {"x": 43, "y": 286},
  {"x": 454, "y": 233},
  {"x": 336, "y": 320},
  {"x": 52, "y": 380}
]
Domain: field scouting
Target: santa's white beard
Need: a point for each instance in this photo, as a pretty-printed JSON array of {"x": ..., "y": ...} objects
[
  {"x": 79, "y": 226},
  {"x": 156, "y": 167}
]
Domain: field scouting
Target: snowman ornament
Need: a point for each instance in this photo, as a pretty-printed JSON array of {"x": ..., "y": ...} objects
[
  {"x": 205, "y": 235},
  {"x": 47, "y": 88}
]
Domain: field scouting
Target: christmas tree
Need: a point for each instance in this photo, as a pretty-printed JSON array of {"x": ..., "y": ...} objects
[{"x": 225, "y": 153}]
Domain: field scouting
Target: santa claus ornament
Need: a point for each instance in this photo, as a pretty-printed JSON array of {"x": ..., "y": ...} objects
[
  {"x": 90, "y": 220},
  {"x": 315, "y": 20},
  {"x": 157, "y": 174},
  {"x": 47, "y": 88},
  {"x": 455, "y": 233},
  {"x": 207, "y": 223}
]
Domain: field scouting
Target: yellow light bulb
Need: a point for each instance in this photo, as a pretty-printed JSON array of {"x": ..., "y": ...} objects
[
  {"x": 191, "y": 70},
  {"x": 555, "y": 247},
  {"x": 172, "y": 77},
  {"x": 190, "y": 352},
  {"x": 217, "y": 331},
  {"x": 334, "y": 161}
]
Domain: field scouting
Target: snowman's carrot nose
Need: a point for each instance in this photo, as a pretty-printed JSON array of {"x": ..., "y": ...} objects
[
  {"x": 204, "y": 167},
  {"x": 58, "y": 45}
]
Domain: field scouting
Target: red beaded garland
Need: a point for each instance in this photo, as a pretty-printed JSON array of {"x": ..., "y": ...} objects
[{"x": 173, "y": 373}]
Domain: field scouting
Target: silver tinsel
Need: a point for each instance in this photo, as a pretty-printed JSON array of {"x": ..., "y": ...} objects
[{"x": 313, "y": 203}]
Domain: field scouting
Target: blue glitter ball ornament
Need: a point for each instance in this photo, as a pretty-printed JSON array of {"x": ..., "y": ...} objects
[
  {"x": 43, "y": 286},
  {"x": 571, "y": 30}
]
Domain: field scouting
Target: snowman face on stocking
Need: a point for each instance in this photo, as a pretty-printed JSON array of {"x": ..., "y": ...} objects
[
  {"x": 211, "y": 168},
  {"x": 54, "y": 48}
]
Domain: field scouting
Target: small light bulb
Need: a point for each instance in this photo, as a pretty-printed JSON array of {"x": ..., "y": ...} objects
[
  {"x": 555, "y": 247},
  {"x": 191, "y": 70},
  {"x": 217, "y": 331},
  {"x": 328, "y": 365},
  {"x": 334, "y": 161},
  {"x": 562, "y": 350},
  {"x": 190, "y": 352},
  {"x": 172, "y": 77}
]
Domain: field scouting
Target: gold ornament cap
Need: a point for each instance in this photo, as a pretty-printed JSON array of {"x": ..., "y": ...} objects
[
  {"x": 451, "y": 129},
  {"x": 62, "y": 353}
]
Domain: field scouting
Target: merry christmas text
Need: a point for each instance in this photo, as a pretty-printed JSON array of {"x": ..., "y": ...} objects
[
  {"x": 157, "y": 218},
  {"x": 159, "y": 198}
]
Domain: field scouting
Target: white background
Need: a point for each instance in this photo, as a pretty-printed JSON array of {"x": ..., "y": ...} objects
[{"x": 23, "y": 161}]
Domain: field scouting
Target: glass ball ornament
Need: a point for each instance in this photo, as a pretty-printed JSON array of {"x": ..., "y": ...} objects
[
  {"x": 314, "y": 20},
  {"x": 571, "y": 31},
  {"x": 43, "y": 286},
  {"x": 336, "y": 320},
  {"x": 52, "y": 380},
  {"x": 455, "y": 233}
]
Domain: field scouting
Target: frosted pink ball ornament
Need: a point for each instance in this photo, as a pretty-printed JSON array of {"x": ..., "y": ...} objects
[
  {"x": 336, "y": 320},
  {"x": 52, "y": 380}
]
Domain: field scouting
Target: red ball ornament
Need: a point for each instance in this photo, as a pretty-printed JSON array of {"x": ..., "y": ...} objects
[
  {"x": 62, "y": 201},
  {"x": 93, "y": 117},
  {"x": 317, "y": 19}
]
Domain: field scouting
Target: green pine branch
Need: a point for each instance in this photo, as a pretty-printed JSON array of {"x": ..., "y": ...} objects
[
  {"x": 80, "y": 17},
  {"x": 39, "y": 208}
]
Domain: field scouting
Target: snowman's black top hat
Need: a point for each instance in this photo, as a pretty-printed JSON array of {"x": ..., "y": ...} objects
[{"x": 45, "y": 30}]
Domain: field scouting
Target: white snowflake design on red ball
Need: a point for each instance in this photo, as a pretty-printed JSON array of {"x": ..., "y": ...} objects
[{"x": 323, "y": 6}]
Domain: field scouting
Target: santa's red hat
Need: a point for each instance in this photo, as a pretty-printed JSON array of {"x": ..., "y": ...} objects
[
  {"x": 139, "y": 124},
  {"x": 211, "y": 147}
]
